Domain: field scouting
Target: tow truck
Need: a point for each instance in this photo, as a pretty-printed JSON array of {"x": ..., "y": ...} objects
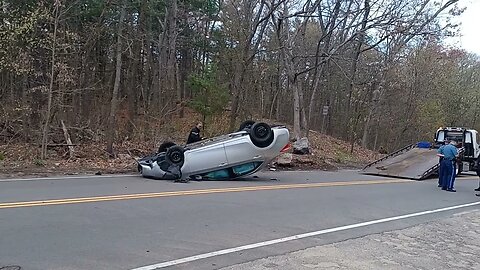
[{"x": 419, "y": 160}]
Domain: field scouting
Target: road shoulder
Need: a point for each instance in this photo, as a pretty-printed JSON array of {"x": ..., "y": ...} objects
[{"x": 452, "y": 243}]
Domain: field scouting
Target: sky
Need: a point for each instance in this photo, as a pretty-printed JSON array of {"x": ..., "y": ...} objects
[{"x": 469, "y": 38}]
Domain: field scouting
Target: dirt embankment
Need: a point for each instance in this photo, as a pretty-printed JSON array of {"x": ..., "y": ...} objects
[{"x": 21, "y": 159}]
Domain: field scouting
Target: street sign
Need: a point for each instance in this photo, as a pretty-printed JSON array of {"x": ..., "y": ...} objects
[{"x": 325, "y": 110}]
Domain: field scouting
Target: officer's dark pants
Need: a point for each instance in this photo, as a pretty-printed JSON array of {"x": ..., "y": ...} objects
[
  {"x": 441, "y": 172},
  {"x": 451, "y": 183},
  {"x": 448, "y": 174}
]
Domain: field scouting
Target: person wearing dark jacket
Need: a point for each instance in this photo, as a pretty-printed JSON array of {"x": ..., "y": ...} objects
[{"x": 194, "y": 135}]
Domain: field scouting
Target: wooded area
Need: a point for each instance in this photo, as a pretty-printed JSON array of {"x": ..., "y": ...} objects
[{"x": 115, "y": 69}]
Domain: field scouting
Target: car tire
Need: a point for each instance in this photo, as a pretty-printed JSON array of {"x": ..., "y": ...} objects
[
  {"x": 261, "y": 134},
  {"x": 175, "y": 155},
  {"x": 164, "y": 146},
  {"x": 139, "y": 168},
  {"x": 246, "y": 125}
]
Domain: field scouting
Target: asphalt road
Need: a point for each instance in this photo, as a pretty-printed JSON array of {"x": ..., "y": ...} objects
[{"x": 126, "y": 222}]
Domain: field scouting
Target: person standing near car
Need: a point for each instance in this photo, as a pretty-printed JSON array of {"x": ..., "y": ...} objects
[
  {"x": 194, "y": 135},
  {"x": 449, "y": 154},
  {"x": 441, "y": 169}
]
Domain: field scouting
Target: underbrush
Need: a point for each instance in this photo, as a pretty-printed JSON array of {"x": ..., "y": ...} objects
[{"x": 327, "y": 153}]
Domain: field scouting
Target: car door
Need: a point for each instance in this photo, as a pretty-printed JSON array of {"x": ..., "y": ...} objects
[
  {"x": 240, "y": 150},
  {"x": 205, "y": 158}
]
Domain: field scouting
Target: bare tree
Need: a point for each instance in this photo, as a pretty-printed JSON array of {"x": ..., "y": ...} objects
[
  {"x": 367, "y": 60},
  {"x": 254, "y": 17},
  {"x": 48, "y": 113},
  {"x": 118, "y": 71}
]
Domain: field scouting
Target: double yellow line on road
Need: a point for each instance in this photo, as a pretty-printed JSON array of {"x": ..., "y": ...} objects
[{"x": 189, "y": 192}]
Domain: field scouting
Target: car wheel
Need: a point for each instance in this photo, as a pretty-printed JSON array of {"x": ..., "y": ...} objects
[
  {"x": 139, "y": 168},
  {"x": 261, "y": 134},
  {"x": 175, "y": 155},
  {"x": 164, "y": 146},
  {"x": 246, "y": 125}
]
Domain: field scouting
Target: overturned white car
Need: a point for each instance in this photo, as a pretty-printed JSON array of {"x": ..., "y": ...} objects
[{"x": 223, "y": 157}]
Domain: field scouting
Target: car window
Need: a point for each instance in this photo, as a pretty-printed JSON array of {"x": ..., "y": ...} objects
[
  {"x": 468, "y": 137},
  {"x": 441, "y": 136},
  {"x": 455, "y": 135},
  {"x": 232, "y": 172},
  {"x": 216, "y": 175},
  {"x": 245, "y": 168}
]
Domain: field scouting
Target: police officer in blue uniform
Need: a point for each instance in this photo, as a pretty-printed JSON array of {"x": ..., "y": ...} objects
[
  {"x": 441, "y": 169},
  {"x": 449, "y": 154}
]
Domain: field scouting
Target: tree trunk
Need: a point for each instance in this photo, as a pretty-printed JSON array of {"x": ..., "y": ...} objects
[
  {"x": 358, "y": 51},
  {"x": 160, "y": 96},
  {"x": 296, "y": 113},
  {"x": 172, "y": 53},
  {"x": 371, "y": 111},
  {"x": 118, "y": 70},
  {"x": 319, "y": 71},
  {"x": 68, "y": 140},
  {"x": 48, "y": 113},
  {"x": 248, "y": 48},
  {"x": 237, "y": 88}
]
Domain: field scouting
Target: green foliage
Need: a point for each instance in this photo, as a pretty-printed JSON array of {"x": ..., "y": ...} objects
[
  {"x": 423, "y": 85},
  {"x": 88, "y": 11},
  {"x": 209, "y": 7},
  {"x": 209, "y": 96},
  {"x": 341, "y": 157},
  {"x": 2, "y": 156},
  {"x": 153, "y": 8},
  {"x": 21, "y": 33},
  {"x": 430, "y": 117},
  {"x": 39, "y": 162}
]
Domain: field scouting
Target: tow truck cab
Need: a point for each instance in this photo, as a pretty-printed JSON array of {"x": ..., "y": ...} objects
[{"x": 467, "y": 140}]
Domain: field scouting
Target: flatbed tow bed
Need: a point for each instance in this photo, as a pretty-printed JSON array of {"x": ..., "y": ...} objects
[
  {"x": 410, "y": 162},
  {"x": 419, "y": 161}
]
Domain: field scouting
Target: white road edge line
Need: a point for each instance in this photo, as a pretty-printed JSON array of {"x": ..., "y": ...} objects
[
  {"x": 296, "y": 237},
  {"x": 67, "y": 177}
]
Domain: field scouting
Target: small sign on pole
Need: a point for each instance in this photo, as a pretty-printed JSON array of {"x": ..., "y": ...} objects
[{"x": 325, "y": 110}]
